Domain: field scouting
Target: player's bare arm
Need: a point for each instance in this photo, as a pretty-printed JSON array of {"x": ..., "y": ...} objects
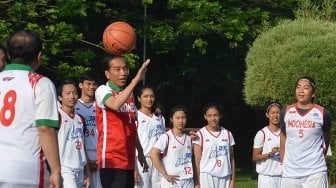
[
  {"x": 196, "y": 180},
  {"x": 282, "y": 145},
  {"x": 155, "y": 155},
  {"x": 87, "y": 171},
  {"x": 198, "y": 155},
  {"x": 257, "y": 154},
  {"x": 141, "y": 156},
  {"x": 327, "y": 136},
  {"x": 48, "y": 140},
  {"x": 137, "y": 177},
  {"x": 115, "y": 103},
  {"x": 233, "y": 168}
]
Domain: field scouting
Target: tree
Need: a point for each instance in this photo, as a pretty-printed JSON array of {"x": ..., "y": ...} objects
[{"x": 201, "y": 45}]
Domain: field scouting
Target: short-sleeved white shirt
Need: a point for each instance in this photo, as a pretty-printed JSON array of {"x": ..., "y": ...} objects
[{"x": 28, "y": 100}]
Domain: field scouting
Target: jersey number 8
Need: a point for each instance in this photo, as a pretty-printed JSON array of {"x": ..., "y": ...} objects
[{"x": 7, "y": 112}]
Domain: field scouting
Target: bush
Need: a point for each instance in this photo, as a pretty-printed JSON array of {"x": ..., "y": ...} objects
[{"x": 286, "y": 52}]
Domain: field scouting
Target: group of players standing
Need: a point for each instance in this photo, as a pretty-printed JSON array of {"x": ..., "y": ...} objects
[
  {"x": 102, "y": 135},
  {"x": 53, "y": 138}
]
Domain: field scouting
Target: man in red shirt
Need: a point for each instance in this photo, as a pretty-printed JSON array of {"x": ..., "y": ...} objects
[{"x": 115, "y": 118}]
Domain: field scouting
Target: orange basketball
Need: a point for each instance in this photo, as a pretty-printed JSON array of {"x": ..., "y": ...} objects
[{"x": 119, "y": 38}]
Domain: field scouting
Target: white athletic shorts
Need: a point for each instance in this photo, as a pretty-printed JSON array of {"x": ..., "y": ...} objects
[
  {"x": 269, "y": 181},
  {"x": 209, "y": 181},
  {"x": 16, "y": 184},
  {"x": 72, "y": 178},
  {"x": 184, "y": 183},
  {"x": 317, "y": 180},
  {"x": 150, "y": 178}
]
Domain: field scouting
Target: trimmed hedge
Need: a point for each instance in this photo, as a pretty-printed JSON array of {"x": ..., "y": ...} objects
[{"x": 281, "y": 55}]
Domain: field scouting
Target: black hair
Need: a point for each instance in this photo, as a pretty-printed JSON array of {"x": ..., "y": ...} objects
[
  {"x": 66, "y": 82},
  {"x": 139, "y": 92},
  {"x": 144, "y": 87},
  {"x": 178, "y": 108},
  {"x": 24, "y": 45},
  {"x": 311, "y": 83},
  {"x": 309, "y": 79},
  {"x": 89, "y": 76},
  {"x": 106, "y": 61},
  {"x": 4, "y": 49},
  {"x": 212, "y": 105},
  {"x": 271, "y": 104}
]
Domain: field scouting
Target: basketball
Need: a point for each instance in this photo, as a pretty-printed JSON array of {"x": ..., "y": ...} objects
[{"x": 119, "y": 38}]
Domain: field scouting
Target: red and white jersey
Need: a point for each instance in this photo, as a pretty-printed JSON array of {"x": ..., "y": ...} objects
[
  {"x": 88, "y": 112},
  {"x": 177, "y": 154},
  {"x": 304, "y": 145},
  {"x": 149, "y": 130},
  {"x": 28, "y": 100},
  {"x": 215, "y": 158},
  {"x": 71, "y": 141},
  {"x": 116, "y": 130},
  {"x": 267, "y": 140}
]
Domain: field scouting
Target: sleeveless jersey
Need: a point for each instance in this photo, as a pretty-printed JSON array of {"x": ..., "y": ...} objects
[
  {"x": 266, "y": 140},
  {"x": 27, "y": 101},
  {"x": 177, "y": 155},
  {"x": 88, "y": 111},
  {"x": 304, "y": 143},
  {"x": 149, "y": 130},
  {"x": 215, "y": 158},
  {"x": 71, "y": 141},
  {"x": 116, "y": 130}
]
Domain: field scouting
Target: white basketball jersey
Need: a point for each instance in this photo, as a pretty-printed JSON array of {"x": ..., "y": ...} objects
[
  {"x": 71, "y": 141},
  {"x": 215, "y": 158},
  {"x": 149, "y": 130},
  {"x": 27, "y": 100},
  {"x": 177, "y": 154},
  {"x": 88, "y": 111},
  {"x": 304, "y": 143},
  {"x": 267, "y": 140}
]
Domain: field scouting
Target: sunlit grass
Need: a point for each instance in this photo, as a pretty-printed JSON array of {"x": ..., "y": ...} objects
[{"x": 244, "y": 179}]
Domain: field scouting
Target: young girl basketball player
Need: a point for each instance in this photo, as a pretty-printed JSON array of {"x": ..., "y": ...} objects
[
  {"x": 266, "y": 150},
  {"x": 213, "y": 148},
  {"x": 149, "y": 126},
  {"x": 305, "y": 137},
  {"x": 175, "y": 148}
]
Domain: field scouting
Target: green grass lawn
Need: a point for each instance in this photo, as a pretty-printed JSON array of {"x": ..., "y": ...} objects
[{"x": 244, "y": 180}]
